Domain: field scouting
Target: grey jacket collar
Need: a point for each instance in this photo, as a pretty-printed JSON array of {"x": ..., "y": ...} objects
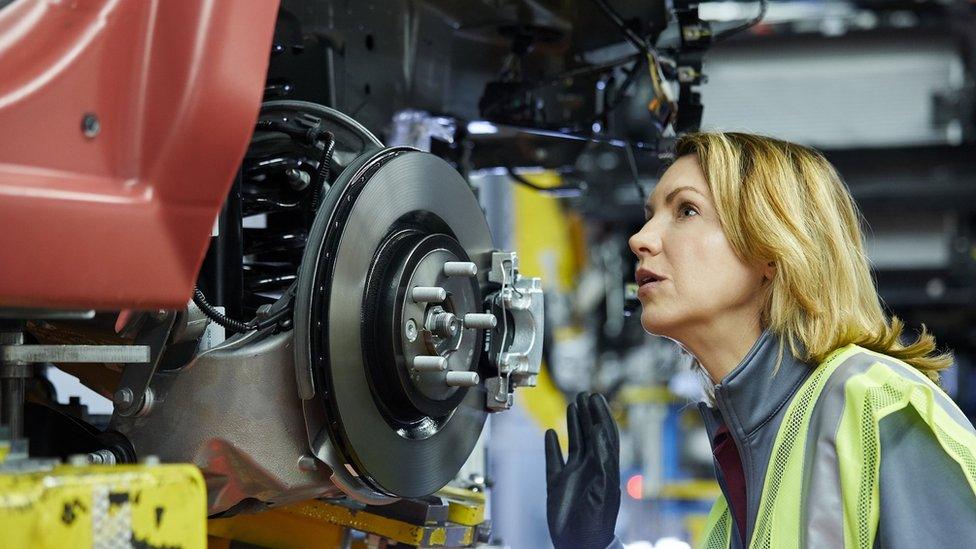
[{"x": 751, "y": 394}]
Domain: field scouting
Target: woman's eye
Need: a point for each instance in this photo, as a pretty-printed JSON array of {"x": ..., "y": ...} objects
[{"x": 687, "y": 210}]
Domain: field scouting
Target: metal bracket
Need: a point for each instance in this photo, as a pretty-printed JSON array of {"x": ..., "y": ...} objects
[
  {"x": 74, "y": 353},
  {"x": 516, "y": 348},
  {"x": 16, "y": 360},
  {"x": 133, "y": 394}
]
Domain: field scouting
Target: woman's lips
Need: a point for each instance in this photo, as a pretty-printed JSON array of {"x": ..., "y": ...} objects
[{"x": 646, "y": 288}]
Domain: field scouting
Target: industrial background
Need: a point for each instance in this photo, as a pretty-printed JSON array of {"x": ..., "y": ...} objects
[{"x": 559, "y": 115}]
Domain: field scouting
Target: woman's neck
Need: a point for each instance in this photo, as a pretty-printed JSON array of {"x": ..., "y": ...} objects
[{"x": 721, "y": 346}]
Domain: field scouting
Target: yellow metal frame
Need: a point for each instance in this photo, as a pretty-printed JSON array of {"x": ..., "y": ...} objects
[
  {"x": 68, "y": 506},
  {"x": 321, "y": 524}
]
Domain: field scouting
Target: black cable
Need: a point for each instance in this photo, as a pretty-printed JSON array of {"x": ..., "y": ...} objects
[
  {"x": 763, "y": 6},
  {"x": 233, "y": 324},
  {"x": 560, "y": 189},
  {"x": 632, "y": 161},
  {"x": 215, "y": 315},
  {"x": 325, "y": 166},
  {"x": 629, "y": 34}
]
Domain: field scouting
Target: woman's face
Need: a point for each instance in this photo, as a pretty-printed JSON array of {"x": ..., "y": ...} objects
[{"x": 690, "y": 278}]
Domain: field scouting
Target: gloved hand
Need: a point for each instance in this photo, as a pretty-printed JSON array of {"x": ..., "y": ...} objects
[{"x": 583, "y": 494}]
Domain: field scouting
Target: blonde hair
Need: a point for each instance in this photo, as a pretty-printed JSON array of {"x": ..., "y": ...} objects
[{"x": 784, "y": 203}]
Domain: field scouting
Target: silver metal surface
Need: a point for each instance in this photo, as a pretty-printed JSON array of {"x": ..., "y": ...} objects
[
  {"x": 136, "y": 376},
  {"x": 13, "y": 382},
  {"x": 423, "y": 294},
  {"x": 234, "y": 413},
  {"x": 190, "y": 324},
  {"x": 101, "y": 457},
  {"x": 460, "y": 348},
  {"x": 520, "y": 299},
  {"x": 460, "y": 268},
  {"x": 18, "y": 313},
  {"x": 850, "y": 91},
  {"x": 429, "y": 364},
  {"x": 123, "y": 397},
  {"x": 445, "y": 324},
  {"x": 410, "y": 182},
  {"x": 503, "y": 267},
  {"x": 480, "y": 321},
  {"x": 13, "y": 391},
  {"x": 462, "y": 379},
  {"x": 75, "y": 353},
  {"x": 147, "y": 404},
  {"x": 410, "y": 330}
]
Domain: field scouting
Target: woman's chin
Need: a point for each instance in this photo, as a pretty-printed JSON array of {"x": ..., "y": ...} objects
[{"x": 654, "y": 325}]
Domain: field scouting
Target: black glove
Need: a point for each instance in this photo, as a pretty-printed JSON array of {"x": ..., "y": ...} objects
[{"x": 583, "y": 494}]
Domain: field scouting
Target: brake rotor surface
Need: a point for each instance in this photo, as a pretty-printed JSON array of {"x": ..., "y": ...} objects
[{"x": 391, "y": 215}]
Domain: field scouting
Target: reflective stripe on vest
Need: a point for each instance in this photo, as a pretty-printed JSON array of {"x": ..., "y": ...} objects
[{"x": 826, "y": 458}]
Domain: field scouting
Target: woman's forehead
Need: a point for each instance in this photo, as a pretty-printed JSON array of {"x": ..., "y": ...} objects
[{"x": 684, "y": 172}]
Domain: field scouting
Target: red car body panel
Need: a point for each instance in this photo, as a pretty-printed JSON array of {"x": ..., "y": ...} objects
[{"x": 121, "y": 219}]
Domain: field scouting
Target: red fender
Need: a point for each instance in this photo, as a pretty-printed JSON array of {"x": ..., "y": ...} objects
[{"x": 121, "y": 218}]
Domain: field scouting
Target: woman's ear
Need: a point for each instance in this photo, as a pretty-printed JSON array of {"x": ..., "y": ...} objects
[{"x": 769, "y": 270}]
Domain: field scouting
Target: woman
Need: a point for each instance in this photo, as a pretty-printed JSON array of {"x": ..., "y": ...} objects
[{"x": 827, "y": 427}]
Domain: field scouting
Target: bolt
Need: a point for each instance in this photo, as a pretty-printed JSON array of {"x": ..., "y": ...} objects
[
  {"x": 446, "y": 324},
  {"x": 124, "y": 397},
  {"x": 410, "y": 330},
  {"x": 480, "y": 321},
  {"x": 298, "y": 179},
  {"x": 426, "y": 294},
  {"x": 90, "y": 126},
  {"x": 429, "y": 364},
  {"x": 102, "y": 457},
  {"x": 148, "y": 402},
  {"x": 460, "y": 268},
  {"x": 462, "y": 379}
]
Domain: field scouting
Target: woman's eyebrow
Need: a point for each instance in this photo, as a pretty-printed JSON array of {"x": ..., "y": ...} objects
[
  {"x": 649, "y": 210},
  {"x": 672, "y": 194}
]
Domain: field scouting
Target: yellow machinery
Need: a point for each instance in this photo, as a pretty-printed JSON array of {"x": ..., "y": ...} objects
[{"x": 44, "y": 504}]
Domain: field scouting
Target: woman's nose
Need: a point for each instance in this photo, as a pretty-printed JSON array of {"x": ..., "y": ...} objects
[{"x": 644, "y": 241}]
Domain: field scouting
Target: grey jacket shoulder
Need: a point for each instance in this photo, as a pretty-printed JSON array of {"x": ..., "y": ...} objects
[{"x": 925, "y": 498}]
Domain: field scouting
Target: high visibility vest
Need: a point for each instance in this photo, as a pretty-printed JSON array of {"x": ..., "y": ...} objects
[{"x": 840, "y": 406}]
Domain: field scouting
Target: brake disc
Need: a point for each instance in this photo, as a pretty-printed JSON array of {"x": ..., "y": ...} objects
[{"x": 387, "y": 352}]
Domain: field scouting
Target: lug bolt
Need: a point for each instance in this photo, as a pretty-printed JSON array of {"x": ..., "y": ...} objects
[
  {"x": 429, "y": 364},
  {"x": 427, "y": 294},
  {"x": 480, "y": 321},
  {"x": 462, "y": 379},
  {"x": 460, "y": 268}
]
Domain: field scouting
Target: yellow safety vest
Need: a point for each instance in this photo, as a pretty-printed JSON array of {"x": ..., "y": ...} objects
[{"x": 864, "y": 387}]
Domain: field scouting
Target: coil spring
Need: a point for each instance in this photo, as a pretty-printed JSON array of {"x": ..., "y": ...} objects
[{"x": 286, "y": 172}]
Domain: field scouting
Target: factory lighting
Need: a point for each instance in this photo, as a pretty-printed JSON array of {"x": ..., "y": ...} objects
[
  {"x": 480, "y": 127},
  {"x": 635, "y": 486}
]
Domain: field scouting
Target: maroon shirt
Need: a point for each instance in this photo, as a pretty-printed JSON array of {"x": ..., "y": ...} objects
[{"x": 727, "y": 457}]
